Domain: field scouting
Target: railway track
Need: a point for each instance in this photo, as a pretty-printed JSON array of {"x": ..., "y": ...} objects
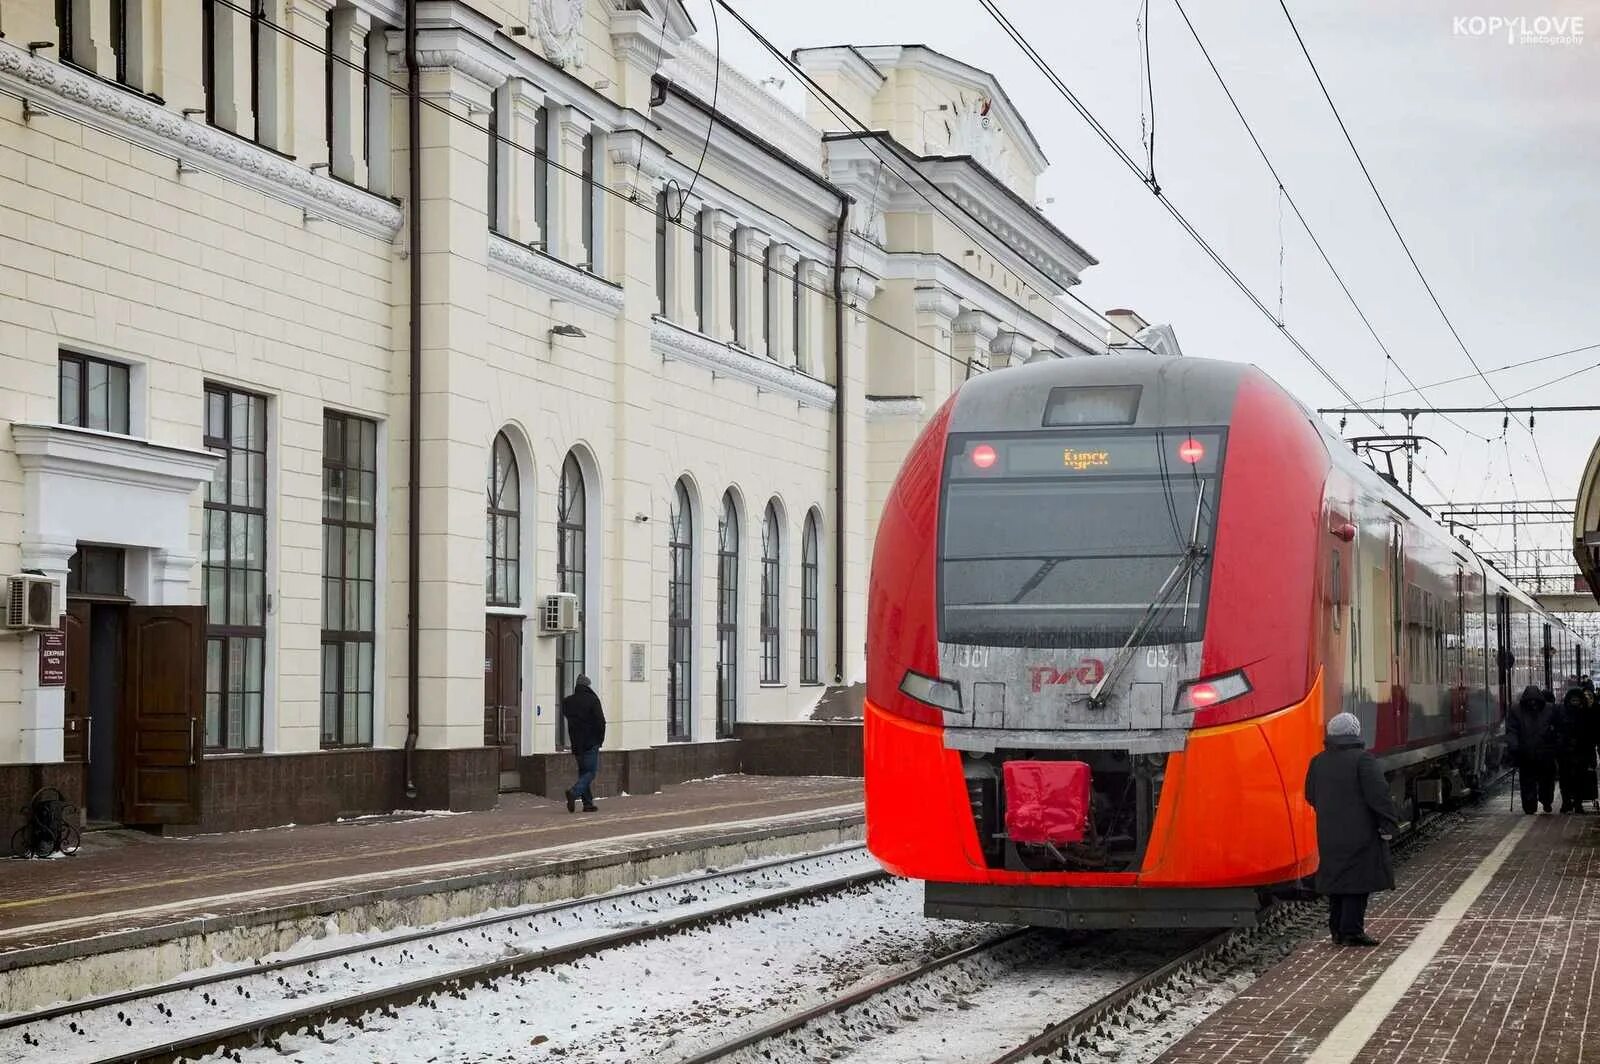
[
  {"x": 257, "y": 1003},
  {"x": 847, "y": 1022}
]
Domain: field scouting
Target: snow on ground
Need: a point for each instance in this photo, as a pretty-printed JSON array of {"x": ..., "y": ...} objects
[
  {"x": 659, "y": 999},
  {"x": 126, "y": 1028},
  {"x": 977, "y": 1009}
]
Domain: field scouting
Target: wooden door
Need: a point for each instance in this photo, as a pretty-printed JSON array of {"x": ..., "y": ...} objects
[
  {"x": 75, "y": 737},
  {"x": 162, "y": 706},
  {"x": 502, "y": 689}
]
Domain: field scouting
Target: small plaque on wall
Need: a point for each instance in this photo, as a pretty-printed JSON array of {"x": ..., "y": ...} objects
[
  {"x": 636, "y": 663},
  {"x": 53, "y": 658}
]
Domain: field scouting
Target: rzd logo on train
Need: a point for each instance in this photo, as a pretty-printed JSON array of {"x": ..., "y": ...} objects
[{"x": 1088, "y": 671}]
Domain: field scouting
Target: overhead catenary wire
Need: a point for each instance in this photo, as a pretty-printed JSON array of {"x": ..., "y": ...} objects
[
  {"x": 855, "y": 125},
  {"x": 1499, "y": 369},
  {"x": 1287, "y": 196},
  {"x": 1393, "y": 225},
  {"x": 1183, "y": 221}
]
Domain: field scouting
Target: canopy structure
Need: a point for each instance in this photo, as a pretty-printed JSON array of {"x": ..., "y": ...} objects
[{"x": 1586, "y": 523}]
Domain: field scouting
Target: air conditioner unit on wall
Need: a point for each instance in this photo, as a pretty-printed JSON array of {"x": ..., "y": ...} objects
[
  {"x": 560, "y": 614},
  {"x": 30, "y": 603}
]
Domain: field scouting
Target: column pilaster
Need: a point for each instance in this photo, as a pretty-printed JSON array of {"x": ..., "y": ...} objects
[
  {"x": 572, "y": 126},
  {"x": 719, "y": 277},
  {"x": 1009, "y": 348},
  {"x": 350, "y": 28},
  {"x": 972, "y": 334},
  {"x": 757, "y": 291}
]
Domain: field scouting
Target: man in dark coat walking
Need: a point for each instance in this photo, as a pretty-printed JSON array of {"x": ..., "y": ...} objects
[
  {"x": 1533, "y": 741},
  {"x": 1355, "y": 821},
  {"x": 586, "y": 731}
]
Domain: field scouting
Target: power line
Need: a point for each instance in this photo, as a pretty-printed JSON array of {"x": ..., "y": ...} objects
[
  {"x": 1294, "y": 206},
  {"x": 1339, "y": 118},
  {"x": 864, "y": 134},
  {"x": 1111, "y": 142},
  {"x": 1499, "y": 369}
]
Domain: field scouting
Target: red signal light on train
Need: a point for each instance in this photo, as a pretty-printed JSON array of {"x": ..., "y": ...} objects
[
  {"x": 1191, "y": 451},
  {"x": 1203, "y": 694},
  {"x": 984, "y": 456}
]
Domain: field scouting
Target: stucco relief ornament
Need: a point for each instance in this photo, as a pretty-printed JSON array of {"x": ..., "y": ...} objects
[
  {"x": 560, "y": 24},
  {"x": 974, "y": 131}
]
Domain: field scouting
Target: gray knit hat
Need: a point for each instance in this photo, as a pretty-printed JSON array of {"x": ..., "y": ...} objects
[{"x": 1345, "y": 724}]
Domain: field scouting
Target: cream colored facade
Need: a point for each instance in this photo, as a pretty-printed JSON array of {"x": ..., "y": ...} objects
[{"x": 236, "y": 237}]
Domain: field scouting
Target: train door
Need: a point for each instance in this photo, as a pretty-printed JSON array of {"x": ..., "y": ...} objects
[
  {"x": 1549, "y": 656},
  {"x": 1505, "y": 658}
]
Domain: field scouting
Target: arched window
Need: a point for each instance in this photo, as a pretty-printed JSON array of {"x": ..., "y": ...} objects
[
  {"x": 680, "y": 615},
  {"x": 571, "y": 551},
  {"x": 727, "y": 618},
  {"x": 771, "y": 597},
  {"x": 810, "y": 643},
  {"x": 503, "y": 556}
]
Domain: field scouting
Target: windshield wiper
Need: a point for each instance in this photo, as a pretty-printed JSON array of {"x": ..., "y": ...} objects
[{"x": 1184, "y": 571}]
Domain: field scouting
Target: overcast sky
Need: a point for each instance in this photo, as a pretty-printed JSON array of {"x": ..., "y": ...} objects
[{"x": 1487, "y": 151}]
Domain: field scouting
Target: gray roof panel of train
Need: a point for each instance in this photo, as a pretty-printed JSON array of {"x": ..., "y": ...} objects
[{"x": 1177, "y": 391}]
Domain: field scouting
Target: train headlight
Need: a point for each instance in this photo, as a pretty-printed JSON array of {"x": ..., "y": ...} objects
[
  {"x": 1212, "y": 691},
  {"x": 942, "y": 694}
]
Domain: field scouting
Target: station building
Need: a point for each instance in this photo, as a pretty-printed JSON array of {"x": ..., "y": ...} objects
[{"x": 315, "y": 390}]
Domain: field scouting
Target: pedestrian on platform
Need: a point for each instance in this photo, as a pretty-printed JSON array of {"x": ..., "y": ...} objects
[
  {"x": 1355, "y": 822},
  {"x": 586, "y": 731},
  {"x": 1577, "y": 767},
  {"x": 1533, "y": 741}
]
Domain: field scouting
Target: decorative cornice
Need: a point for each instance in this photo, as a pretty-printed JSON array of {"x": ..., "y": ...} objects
[
  {"x": 141, "y": 121},
  {"x": 750, "y": 105},
  {"x": 977, "y": 323},
  {"x": 673, "y": 342},
  {"x": 891, "y": 408},
  {"x": 860, "y": 284},
  {"x": 638, "y": 40},
  {"x": 104, "y": 456},
  {"x": 552, "y": 276},
  {"x": 937, "y": 301}
]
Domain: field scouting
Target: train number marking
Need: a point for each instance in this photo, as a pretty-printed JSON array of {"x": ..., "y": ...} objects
[{"x": 1160, "y": 657}]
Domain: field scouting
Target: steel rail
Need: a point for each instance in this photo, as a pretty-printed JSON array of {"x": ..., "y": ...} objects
[
  {"x": 353, "y": 1007},
  {"x": 852, "y": 998},
  {"x": 542, "y": 909}
]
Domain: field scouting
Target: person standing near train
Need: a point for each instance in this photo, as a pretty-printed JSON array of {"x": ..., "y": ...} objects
[
  {"x": 1355, "y": 822},
  {"x": 1534, "y": 744},
  {"x": 1577, "y": 766}
]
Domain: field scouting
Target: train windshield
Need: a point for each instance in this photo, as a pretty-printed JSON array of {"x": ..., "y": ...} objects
[{"x": 1069, "y": 539}]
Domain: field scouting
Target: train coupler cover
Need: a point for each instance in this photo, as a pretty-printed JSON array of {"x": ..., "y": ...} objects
[{"x": 1046, "y": 801}]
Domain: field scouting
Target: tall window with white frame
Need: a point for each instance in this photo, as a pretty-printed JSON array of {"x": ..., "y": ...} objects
[
  {"x": 771, "y": 596},
  {"x": 503, "y": 552},
  {"x": 235, "y": 568},
  {"x": 767, "y": 335},
  {"x": 591, "y": 244},
  {"x": 700, "y": 271},
  {"x": 571, "y": 573},
  {"x": 495, "y": 161},
  {"x": 680, "y": 616},
  {"x": 541, "y": 176},
  {"x": 349, "y": 577},
  {"x": 810, "y": 604},
  {"x": 795, "y": 308},
  {"x": 663, "y": 251},
  {"x": 733, "y": 283},
  {"x": 727, "y": 618}
]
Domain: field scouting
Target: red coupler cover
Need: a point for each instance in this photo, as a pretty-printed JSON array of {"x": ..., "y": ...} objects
[{"x": 1046, "y": 801}]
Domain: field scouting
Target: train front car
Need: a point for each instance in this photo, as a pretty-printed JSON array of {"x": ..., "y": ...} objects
[{"x": 1093, "y": 591}]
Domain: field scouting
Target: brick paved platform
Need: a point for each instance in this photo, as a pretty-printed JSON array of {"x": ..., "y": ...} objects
[
  {"x": 126, "y": 890},
  {"x": 1491, "y": 948}
]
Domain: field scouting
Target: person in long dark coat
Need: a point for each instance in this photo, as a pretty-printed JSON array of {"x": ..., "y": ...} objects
[
  {"x": 1533, "y": 740},
  {"x": 1576, "y": 759},
  {"x": 1355, "y": 821},
  {"x": 586, "y": 731}
]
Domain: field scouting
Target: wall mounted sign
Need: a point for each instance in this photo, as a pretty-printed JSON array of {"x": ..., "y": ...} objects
[{"x": 53, "y": 657}]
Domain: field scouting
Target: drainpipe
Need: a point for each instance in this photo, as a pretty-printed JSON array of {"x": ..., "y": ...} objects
[
  {"x": 840, "y": 232},
  {"x": 414, "y": 443}
]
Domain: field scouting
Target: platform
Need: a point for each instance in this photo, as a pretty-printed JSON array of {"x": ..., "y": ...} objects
[
  {"x": 133, "y": 908},
  {"x": 1490, "y": 955}
]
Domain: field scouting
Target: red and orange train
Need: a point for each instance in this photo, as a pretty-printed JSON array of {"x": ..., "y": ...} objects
[{"x": 1169, "y": 571}]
